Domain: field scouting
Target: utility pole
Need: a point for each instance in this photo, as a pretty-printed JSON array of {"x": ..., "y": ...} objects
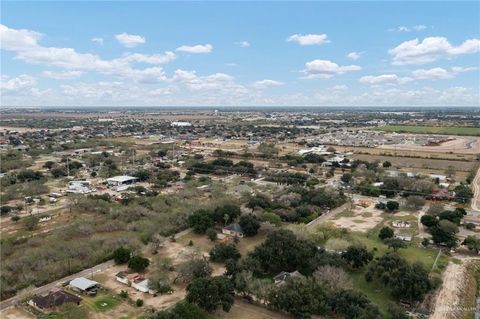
[{"x": 68, "y": 169}]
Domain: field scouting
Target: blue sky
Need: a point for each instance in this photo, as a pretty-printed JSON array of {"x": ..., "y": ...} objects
[{"x": 240, "y": 53}]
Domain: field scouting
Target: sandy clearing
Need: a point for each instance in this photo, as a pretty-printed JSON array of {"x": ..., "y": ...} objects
[
  {"x": 360, "y": 223},
  {"x": 15, "y": 313},
  {"x": 449, "y": 299}
]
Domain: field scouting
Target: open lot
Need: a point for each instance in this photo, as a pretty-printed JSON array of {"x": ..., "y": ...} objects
[{"x": 431, "y": 129}]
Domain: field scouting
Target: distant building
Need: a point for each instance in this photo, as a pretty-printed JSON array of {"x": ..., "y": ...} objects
[
  {"x": 233, "y": 230},
  {"x": 85, "y": 285},
  {"x": 401, "y": 224},
  {"x": 135, "y": 280},
  {"x": 121, "y": 180},
  {"x": 54, "y": 299},
  {"x": 284, "y": 276},
  {"x": 404, "y": 237},
  {"x": 181, "y": 124},
  {"x": 79, "y": 187}
]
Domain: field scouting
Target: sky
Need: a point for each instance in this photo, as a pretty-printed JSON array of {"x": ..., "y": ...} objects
[{"x": 120, "y": 53}]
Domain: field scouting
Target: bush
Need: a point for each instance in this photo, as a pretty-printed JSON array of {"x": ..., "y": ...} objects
[
  {"x": 123, "y": 294},
  {"x": 122, "y": 255},
  {"x": 139, "y": 302},
  {"x": 138, "y": 263}
]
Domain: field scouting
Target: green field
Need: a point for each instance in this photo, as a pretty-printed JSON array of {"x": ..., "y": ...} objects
[{"x": 473, "y": 131}]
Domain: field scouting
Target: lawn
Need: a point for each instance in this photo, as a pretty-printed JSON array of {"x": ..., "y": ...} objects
[
  {"x": 475, "y": 131},
  {"x": 102, "y": 302},
  {"x": 377, "y": 292}
]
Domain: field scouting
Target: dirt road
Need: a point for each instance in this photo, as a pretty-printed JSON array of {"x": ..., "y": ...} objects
[
  {"x": 449, "y": 304},
  {"x": 476, "y": 190}
]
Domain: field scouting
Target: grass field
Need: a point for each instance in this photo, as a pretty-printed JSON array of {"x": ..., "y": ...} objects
[
  {"x": 102, "y": 302},
  {"x": 472, "y": 131}
]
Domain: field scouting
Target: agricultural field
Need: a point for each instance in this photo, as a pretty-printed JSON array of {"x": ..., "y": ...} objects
[{"x": 444, "y": 130}]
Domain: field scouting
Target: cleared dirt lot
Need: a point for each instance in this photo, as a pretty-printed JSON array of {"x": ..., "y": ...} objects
[
  {"x": 407, "y": 162},
  {"x": 15, "y": 313},
  {"x": 359, "y": 219},
  {"x": 461, "y": 144}
]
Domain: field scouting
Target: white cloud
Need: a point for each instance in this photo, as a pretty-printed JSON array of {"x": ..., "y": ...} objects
[
  {"x": 21, "y": 82},
  {"x": 403, "y": 28},
  {"x": 430, "y": 49},
  {"x": 354, "y": 55},
  {"x": 341, "y": 87},
  {"x": 420, "y": 27},
  {"x": 243, "y": 44},
  {"x": 391, "y": 79},
  {"x": 459, "y": 69},
  {"x": 163, "y": 58},
  {"x": 65, "y": 75},
  {"x": 129, "y": 40},
  {"x": 263, "y": 84},
  {"x": 432, "y": 74},
  {"x": 199, "y": 48},
  {"x": 98, "y": 41},
  {"x": 25, "y": 44},
  {"x": 309, "y": 39},
  {"x": 326, "y": 69}
]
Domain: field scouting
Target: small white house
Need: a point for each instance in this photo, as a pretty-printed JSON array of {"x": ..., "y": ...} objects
[
  {"x": 233, "y": 230},
  {"x": 401, "y": 224},
  {"x": 404, "y": 237},
  {"x": 121, "y": 180}
]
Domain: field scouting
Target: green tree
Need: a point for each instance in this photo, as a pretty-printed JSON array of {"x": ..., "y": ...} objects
[
  {"x": 249, "y": 224},
  {"x": 463, "y": 194},
  {"x": 193, "y": 269},
  {"x": 395, "y": 243},
  {"x": 211, "y": 293},
  {"x": 300, "y": 297},
  {"x": 182, "y": 310},
  {"x": 122, "y": 255},
  {"x": 138, "y": 263},
  {"x": 212, "y": 234},
  {"x": 385, "y": 232},
  {"x": 392, "y": 205},
  {"x": 201, "y": 220},
  {"x": 221, "y": 252},
  {"x": 355, "y": 305},
  {"x": 30, "y": 222},
  {"x": 472, "y": 243},
  {"x": 357, "y": 256}
]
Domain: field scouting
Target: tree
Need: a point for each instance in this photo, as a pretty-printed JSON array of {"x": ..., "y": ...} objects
[
  {"x": 395, "y": 243},
  {"x": 354, "y": 304},
  {"x": 357, "y": 256},
  {"x": 122, "y": 255},
  {"x": 267, "y": 149},
  {"x": 406, "y": 281},
  {"x": 30, "y": 222},
  {"x": 193, "y": 269},
  {"x": 182, "y": 310},
  {"x": 271, "y": 218},
  {"x": 455, "y": 216},
  {"x": 212, "y": 234},
  {"x": 201, "y": 220},
  {"x": 463, "y": 194},
  {"x": 385, "y": 232},
  {"x": 386, "y": 164},
  {"x": 283, "y": 251},
  {"x": 301, "y": 297},
  {"x": 346, "y": 178},
  {"x": 226, "y": 214},
  {"x": 392, "y": 205},
  {"x": 435, "y": 209},
  {"x": 5, "y": 210},
  {"x": 258, "y": 200},
  {"x": 221, "y": 252},
  {"x": 249, "y": 224},
  {"x": 211, "y": 293},
  {"x": 415, "y": 202},
  {"x": 397, "y": 312},
  {"x": 333, "y": 278},
  {"x": 138, "y": 263},
  {"x": 429, "y": 220},
  {"x": 139, "y": 302},
  {"x": 472, "y": 243}
]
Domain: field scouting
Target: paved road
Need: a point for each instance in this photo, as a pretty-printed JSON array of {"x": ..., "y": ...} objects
[
  {"x": 476, "y": 190},
  {"x": 43, "y": 289}
]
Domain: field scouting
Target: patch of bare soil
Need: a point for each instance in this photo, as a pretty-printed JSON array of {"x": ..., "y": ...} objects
[
  {"x": 15, "y": 313},
  {"x": 450, "y": 299}
]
